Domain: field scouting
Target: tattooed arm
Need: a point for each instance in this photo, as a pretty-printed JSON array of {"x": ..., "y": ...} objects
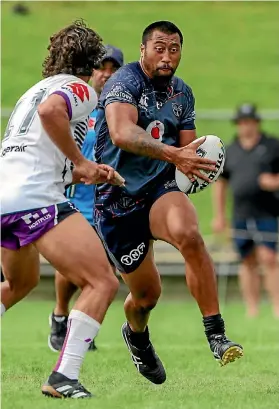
[
  {"x": 122, "y": 121},
  {"x": 126, "y": 134}
]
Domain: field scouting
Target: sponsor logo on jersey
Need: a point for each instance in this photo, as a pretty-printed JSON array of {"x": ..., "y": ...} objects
[
  {"x": 13, "y": 148},
  {"x": 118, "y": 87},
  {"x": 80, "y": 90},
  {"x": 143, "y": 103},
  {"x": 134, "y": 255},
  {"x": 120, "y": 92},
  {"x": 156, "y": 129},
  {"x": 177, "y": 109}
]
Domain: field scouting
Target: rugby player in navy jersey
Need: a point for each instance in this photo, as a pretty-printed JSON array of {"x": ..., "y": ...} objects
[{"x": 144, "y": 127}]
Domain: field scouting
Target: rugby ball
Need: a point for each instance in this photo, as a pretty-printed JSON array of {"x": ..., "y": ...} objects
[{"x": 213, "y": 148}]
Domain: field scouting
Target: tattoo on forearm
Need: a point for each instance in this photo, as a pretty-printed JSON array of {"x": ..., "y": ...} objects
[{"x": 141, "y": 143}]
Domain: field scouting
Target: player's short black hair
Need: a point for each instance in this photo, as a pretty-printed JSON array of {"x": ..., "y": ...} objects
[
  {"x": 166, "y": 27},
  {"x": 75, "y": 50}
]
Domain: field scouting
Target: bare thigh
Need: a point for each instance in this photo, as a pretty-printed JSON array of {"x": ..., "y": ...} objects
[
  {"x": 74, "y": 249},
  {"x": 145, "y": 282},
  {"x": 20, "y": 266},
  {"x": 173, "y": 219}
]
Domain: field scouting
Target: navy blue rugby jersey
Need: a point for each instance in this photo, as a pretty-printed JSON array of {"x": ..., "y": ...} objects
[{"x": 162, "y": 113}]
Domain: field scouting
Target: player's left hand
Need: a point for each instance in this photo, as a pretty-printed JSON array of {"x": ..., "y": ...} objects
[{"x": 269, "y": 182}]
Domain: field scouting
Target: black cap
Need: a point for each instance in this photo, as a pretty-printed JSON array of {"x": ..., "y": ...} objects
[{"x": 246, "y": 111}]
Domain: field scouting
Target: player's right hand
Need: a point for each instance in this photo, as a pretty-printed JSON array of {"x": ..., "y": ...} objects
[
  {"x": 189, "y": 163},
  {"x": 113, "y": 177},
  {"x": 90, "y": 173}
]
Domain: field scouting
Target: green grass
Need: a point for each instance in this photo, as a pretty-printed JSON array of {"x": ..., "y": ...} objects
[
  {"x": 194, "y": 380},
  {"x": 230, "y": 52}
]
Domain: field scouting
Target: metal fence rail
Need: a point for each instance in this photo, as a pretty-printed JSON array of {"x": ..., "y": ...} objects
[{"x": 171, "y": 263}]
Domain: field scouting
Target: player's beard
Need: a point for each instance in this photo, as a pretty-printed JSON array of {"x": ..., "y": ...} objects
[{"x": 161, "y": 81}]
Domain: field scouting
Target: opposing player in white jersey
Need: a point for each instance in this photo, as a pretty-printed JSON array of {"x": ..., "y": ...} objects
[
  {"x": 40, "y": 156},
  {"x": 83, "y": 197}
]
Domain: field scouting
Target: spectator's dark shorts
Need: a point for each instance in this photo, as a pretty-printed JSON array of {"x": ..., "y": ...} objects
[{"x": 255, "y": 232}]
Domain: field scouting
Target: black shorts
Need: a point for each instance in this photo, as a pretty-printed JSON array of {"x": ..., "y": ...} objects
[
  {"x": 250, "y": 233},
  {"x": 123, "y": 224}
]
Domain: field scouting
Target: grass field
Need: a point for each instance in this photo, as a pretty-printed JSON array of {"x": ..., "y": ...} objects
[
  {"x": 230, "y": 52},
  {"x": 194, "y": 381}
]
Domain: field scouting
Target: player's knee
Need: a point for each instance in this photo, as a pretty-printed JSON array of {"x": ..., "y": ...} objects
[
  {"x": 146, "y": 305},
  {"x": 189, "y": 239},
  {"x": 101, "y": 278},
  {"x": 108, "y": 285},
  {"x": 147, "y": 301},
  {"x": 24, "y": 285}
]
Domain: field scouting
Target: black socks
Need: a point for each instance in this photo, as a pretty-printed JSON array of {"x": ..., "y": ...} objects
[
  {"x": 139, "y": 340},
  {"x": 214, "y": 324}
]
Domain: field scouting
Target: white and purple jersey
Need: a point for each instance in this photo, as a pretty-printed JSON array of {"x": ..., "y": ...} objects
[{"x": 33, "y": 171}]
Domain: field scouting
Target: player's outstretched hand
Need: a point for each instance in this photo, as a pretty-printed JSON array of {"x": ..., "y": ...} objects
[
  {"x": 189, "y": 163},
  {"x": 90, "y": 173},
  {"x": 113, "y": 177}
]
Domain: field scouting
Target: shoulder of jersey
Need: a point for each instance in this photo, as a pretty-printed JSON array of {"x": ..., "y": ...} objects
[
  {"x": 181, "y": 86},
  {"x": 130, "y": 70},
  {"x": 80, "y": 88},
  {"x": 128, "y": 74},
  {"x": 133, "y": 66}
]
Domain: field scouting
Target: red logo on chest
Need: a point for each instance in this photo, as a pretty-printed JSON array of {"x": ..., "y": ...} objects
[{"x": 80, "y": 90}]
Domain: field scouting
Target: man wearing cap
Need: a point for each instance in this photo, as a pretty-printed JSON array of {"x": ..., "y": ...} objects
[
  {"x": 82, "y": 196},
  {"x": 252, "y": 172}
]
